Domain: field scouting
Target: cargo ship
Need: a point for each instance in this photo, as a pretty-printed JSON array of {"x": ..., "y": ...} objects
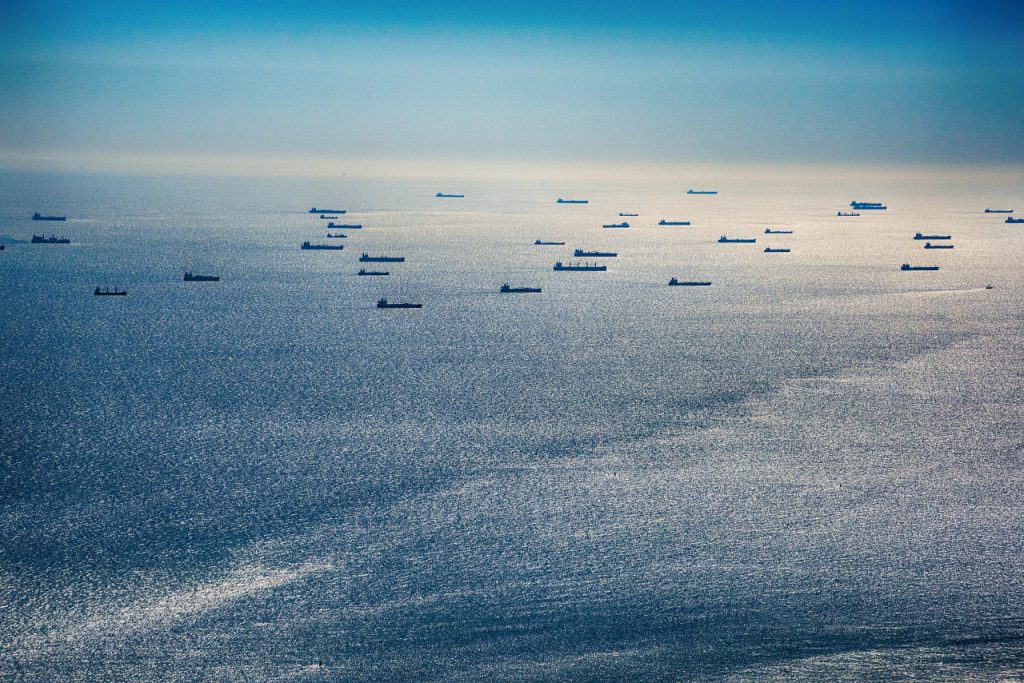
[
  {"x": 41, "y": 217},
  {"x": 334, "y": 247},
  {"x": 736, "y": 240},
  {"x": 769, "y": 231},
  {"x": 52, "y": 239},
  {"x": 343, "y": 226},
  {"x": 106, "y": 291},
  {"x": 920, "y": 236},
  {"x": 665, "y": 222},
  {"x": 364, "y": 271},
  {"x": 929, "y": 245},
  {"x": 366, "y": 258},
  {"x": 907, "y": 266},
  {"x": 616, "y": 225},
  {"x": 578, "y": 266},
  {"x": 692, "y": 191},
  {"x": 579, "y": 253},
  {"x": 507, "y": 289},
  {"x": 1011, "y": 219},
  {"x": 847, "y": 213},
  {"x": 868, "y": 206},
  {"x": 327, "y": 218},
  {"x": 445, "y": 195},
  {"x": 776, "y": 250},
  {"x": 688, "y": 283},
  {"x": 316, "y": 210},
  {"x": 336, "y": 236},
  {"x": 998, "y": 210},
  {"x": 192, "y": 277},
  {"x": 572, "y": 201},
  {"x": 549, "y": 244},
  {"x": 384, "y": 303},
  {"x": 622, "y": 214}
]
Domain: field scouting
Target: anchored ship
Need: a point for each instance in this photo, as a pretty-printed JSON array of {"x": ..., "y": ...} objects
[
  {"x": 628, "y": 214},
  {"x": 107, "y": 292},
  {"x": 907, "y": 266},
  {"x": 929, "y": 245},
  {"x": 868, "y": 206},
  {"x": 326, "y": 217},
  {"x": 769, "y": 231},
  {"x": 998, "y": 210},
  {"x": 691, "y": 191},
  {"x": 366, "y": 258},
  {"x": 343, "y": 226},
  {"x": 578, "y": 266},
  {"x": 665, "y": 222},
  {"x": 316, "y": 210},
  {"x": 192, "y": 277},
  {"x": 40, "y": 217},
  {"x": 52, "y": 239},
  {"x": 445, "y": 195},
  {"x": 364, "y": 271},
  {"x": 919, "y": 236},
  {"x": 847, "y": 213},
  {"x": 1011, "y": 219},
  {"x": 688, "y": 283},
  {"x": 736, "y": 240},
  {"x": 572, "y": 201},
  {"x": 337, "y": 235},
  {"x": 616, "y": 225},
  {"x": 384, "y": 303},
  {"x": 579, "y": 253},
  {"x": 335, "y": 247},
  {"x": 553, "y": 244},
  {"x": 507, "y": 289},
  {"x": 776, "y": 250}
]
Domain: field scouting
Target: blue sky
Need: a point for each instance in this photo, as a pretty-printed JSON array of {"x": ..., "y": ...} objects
[{"x": 662, "y": 82}]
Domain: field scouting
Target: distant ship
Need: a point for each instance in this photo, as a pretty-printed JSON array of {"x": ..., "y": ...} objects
[
  {"x": 776, "y": 250},
  {"x": 316, "y": 210},
  {"x": 445, "y": 195},
  {"x": 366, "y": 258},
  {"x": 1011, "y": 219},
  {"x": 769, "y": 231},
  {"x": 692, "y": 191},
  {"x": 688, "y": 283},
  {"x": 907, "y": 266},
  {"x": 868, "y": 206},
  {"x": 572, "y": 201},
  {"x": 338, "y": 235},
  {"x": 506, "y": 289},
  {"x": 383, "y": 303},
  {"x": 107, "y": 292},
  {"x": 336, "y": 247},
  {"x": 52, "y": 239},
  {"x": 343, "y": 226},
  {"x": 579, "y": 253},
  {"x": 665, "y": 222},
  {"x": 364, "y": 271},
  {"x": 191, "y": 277},
  {"x": 736, "y": 240},
  {"x": 919, "y": 236},
  {"x": 578, "y": 266},
  {"x": 40, "y": 217},
  {"x": 929, "y": 245},
  {"x": 628, "y": 214},
  {"x": 847, "y": 213},
  {"x": 326, "y": 217},
  {"x": 552, "y": 244},
  {"x": 616, "y": 225},
  {"x": 998, "y": 210}
]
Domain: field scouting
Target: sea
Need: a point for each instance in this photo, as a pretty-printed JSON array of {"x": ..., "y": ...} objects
[{"x": 810, "y": 470}]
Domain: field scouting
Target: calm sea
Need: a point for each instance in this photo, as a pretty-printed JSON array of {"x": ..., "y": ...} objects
[{"x": 810, "y": 470}]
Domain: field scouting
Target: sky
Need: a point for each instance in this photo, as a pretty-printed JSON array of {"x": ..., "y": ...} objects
[{"x": 930, "y": 82}]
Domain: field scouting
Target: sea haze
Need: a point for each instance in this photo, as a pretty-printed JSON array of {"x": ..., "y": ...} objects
[{"x": 809, "y": 470}]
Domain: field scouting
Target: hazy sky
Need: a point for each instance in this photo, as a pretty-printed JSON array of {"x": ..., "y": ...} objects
[{"x": 661, "y": 82}]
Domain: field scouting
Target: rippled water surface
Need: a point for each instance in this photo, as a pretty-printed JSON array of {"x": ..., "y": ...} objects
[{"x": 809, "y": 470}]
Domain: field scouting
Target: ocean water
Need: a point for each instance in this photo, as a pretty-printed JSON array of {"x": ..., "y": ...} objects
[{"x": 810, "y": 470}]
